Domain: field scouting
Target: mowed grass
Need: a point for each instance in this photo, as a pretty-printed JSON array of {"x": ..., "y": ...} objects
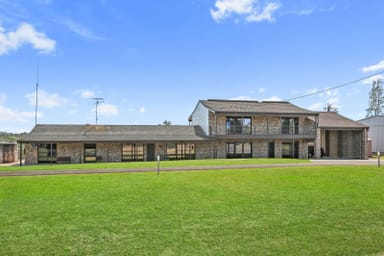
[
  {"x": 276, "y": 211},
  {"x": 153, "y": 164}
]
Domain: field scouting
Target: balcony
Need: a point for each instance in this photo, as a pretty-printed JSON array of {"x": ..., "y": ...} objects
[{"x": 239, "y": 131}]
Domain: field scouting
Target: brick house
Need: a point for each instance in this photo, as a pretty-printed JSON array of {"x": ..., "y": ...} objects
[
  {"x": 256, "y": 129},
  {"x": 111, "y": 143},
  {"x": 218, "y": 129}
]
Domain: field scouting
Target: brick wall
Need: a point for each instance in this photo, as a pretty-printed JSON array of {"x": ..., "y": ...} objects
[{"x": 30, "y": 154}]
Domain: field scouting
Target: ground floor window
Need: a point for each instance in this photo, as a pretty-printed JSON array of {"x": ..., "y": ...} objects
[
  {"x": 290, "y": 150},
  {"x": 132, "y": 152},
  {"x": 90, "y": 153},
  {"x": 239, "y": 150},
  {"x": 46, "y": 153},
  {"x": 181, "y": 151}
]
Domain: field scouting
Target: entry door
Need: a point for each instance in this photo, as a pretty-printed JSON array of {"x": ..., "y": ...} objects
[
  {"x": 150, "y": 152},
  {"x": 271, "y": 149}
]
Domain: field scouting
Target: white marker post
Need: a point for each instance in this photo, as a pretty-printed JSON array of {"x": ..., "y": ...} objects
[
  {"x": 378, "y": 159},
  {"x": 158, "y": 164}
]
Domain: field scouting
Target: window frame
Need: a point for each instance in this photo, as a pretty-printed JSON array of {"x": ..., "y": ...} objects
[
  {"x": 47, "y": 153},
  {"x": 132, "y": 152}
]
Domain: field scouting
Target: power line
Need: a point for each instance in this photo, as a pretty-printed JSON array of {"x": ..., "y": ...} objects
[{"x": 335, "y": 87}]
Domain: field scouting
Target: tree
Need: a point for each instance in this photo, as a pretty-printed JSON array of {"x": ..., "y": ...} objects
[
  {"x": 376, "y": 100},
  {"x": 167, "y": 123},
  {"x": 329, "y": 107}
]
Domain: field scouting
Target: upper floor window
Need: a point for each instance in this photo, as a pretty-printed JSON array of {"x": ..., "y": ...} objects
[
  {"x": 239, "y": 125},
  {"x": 289, "y": 125}
]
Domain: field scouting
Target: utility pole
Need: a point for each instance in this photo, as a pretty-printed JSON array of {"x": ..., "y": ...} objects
[
  {"x": 37, "y": 94},
  {"x": 97, "y": 102}
]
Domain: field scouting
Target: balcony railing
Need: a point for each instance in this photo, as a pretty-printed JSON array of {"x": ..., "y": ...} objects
[
  {"x": 239, "y": 130},
  {"x": 272, "y": 132}
]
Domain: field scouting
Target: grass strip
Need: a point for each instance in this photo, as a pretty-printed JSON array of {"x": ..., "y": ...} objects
[{"x": 290, "y": 211}]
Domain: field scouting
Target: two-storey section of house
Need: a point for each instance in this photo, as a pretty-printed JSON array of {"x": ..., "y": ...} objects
[{"x": 246, "y": 129}]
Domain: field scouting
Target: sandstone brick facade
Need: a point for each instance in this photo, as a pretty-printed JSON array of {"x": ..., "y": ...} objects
[{"x": 219, "y": 129}]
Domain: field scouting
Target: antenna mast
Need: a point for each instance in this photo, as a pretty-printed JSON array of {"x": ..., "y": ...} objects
[
  {"x": 97, "y": 102},
  {"x": 37, "y": 94}
]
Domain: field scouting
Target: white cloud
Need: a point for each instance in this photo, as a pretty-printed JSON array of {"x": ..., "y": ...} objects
[
  {"x": 25, "y": 34},
  {"x": 265, "y": 14},
  {"x": 311, "y": 91},
  {"x": 319, "y": 106},
  {"x": 242, "y": 98},
  {"x": 261, "y": 90},
  {"x": 273, "y": 98},
  {"x": 46, "y": 100},
  {"x": 372, "y": 78},
  {"x": 142, "y": 110},
  {"x": 80, "y": 30},
  {"x": 86, "y": 94},
  {"x": 303, "y": 12},
  {"x": 374, "y": 67},
  {"x": 328, "y": 93},
  {"x": 251, "y": 9},
  {"x": 7, "y": 114},
  {"x": 107, "y": 109}
]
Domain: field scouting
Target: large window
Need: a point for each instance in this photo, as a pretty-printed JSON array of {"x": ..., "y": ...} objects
[
  {"x": 132, "y": 152},
  {"x": 46, "y": 153},
  {"x": 290, "y": 150},
  {"x": 239, "y": 125},
  {"x": 239, "y": 150},
  {"x": 180, "y": 151},
  {"x": 289, "y": 125},
  {"x": 90, "y": 153}
]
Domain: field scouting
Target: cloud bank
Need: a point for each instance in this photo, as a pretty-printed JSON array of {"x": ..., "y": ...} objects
[
  {"x": 251, "y": 10},
  {"x": 25, "y": 34}
]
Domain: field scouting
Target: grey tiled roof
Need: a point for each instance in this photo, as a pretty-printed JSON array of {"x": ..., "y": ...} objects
[
  {"x": 114, "y": 133},
  {"x": 335, "y": 120},
  {"x": 254, "y": 107}
]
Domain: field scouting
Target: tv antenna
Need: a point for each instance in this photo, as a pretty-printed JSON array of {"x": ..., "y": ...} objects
[{"x": 97, "y": 102}]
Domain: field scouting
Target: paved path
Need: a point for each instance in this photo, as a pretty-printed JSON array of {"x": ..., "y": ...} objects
[{"x": 322, "y": 162}]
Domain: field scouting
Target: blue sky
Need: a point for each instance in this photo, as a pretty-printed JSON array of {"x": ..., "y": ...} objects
[{"x": 153, "y": 60}]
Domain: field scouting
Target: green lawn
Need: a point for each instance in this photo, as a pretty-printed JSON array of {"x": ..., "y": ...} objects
[
  {"x": 275, "y": 211},
  {"x": 127, "y": 165}
]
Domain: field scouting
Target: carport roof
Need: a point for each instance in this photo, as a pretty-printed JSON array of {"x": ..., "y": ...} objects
[{"x": 333, "y": 120}]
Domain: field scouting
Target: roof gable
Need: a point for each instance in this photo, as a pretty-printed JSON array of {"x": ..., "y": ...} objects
[{"x": 254, "y": 107}]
